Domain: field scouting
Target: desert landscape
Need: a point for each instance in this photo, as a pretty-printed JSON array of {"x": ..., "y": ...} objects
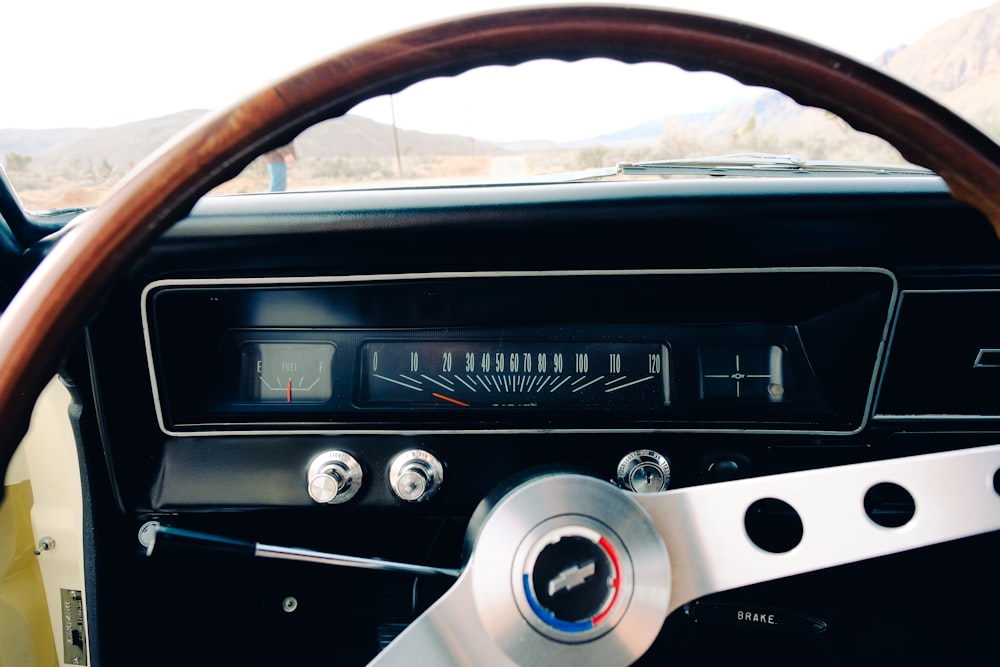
[{"x": 958, "y": 63}]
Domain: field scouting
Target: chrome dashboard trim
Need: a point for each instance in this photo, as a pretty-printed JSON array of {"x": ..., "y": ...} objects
[{"x": 321, "y": 280}]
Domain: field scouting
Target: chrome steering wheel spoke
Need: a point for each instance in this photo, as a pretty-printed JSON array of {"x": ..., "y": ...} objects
[
  {"x": 567, "y": 569},
  {"x": 448, "y": 634},
  {"x": 711, "y": 549}
]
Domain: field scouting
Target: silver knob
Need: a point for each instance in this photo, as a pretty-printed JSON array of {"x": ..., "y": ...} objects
[
  {"x": 415, "y": 475},
  {"x": 325, "y": 486},
  {"x": 644, "y": 471},
  {"x": 334, "y": 477}
]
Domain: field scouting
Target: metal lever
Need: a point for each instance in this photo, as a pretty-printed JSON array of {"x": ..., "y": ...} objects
[{"x": 183, "y": 537}]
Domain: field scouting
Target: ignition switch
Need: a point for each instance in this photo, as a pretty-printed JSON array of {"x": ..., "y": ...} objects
[{"x": 644, "y": 471}]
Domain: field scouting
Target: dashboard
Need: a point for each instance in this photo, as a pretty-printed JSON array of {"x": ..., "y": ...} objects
[{"x": 356, "y": 371}]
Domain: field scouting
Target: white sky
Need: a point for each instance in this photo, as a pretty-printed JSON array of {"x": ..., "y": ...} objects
[{"x": 93, "y": 63}]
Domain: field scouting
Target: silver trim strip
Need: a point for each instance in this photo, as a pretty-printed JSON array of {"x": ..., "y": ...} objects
[
  {"x": 324, "y": 280},
  {"x": 933, "y": 417},
  {"x": 983, "y": 352}
]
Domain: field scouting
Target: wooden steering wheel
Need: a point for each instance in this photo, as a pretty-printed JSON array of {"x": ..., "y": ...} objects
[{"x": 66, "y": 288}]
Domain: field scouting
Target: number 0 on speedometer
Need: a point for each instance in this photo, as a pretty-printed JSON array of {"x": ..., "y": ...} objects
[{"x": 491, "y": 374}]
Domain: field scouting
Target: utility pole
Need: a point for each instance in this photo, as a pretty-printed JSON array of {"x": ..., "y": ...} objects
[{"x": 395, "y": 139}]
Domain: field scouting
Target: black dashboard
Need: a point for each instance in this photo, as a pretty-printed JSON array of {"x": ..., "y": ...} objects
[{"x": 702, "y": 330}]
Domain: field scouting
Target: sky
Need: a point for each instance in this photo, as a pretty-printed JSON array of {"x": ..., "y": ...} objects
[{"x": 98, "y": 63}]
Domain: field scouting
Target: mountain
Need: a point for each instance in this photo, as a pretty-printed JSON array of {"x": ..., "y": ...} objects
[
  {"x": 122, "y": 146},
  {"x": 958, "y": 63},
  {"x": 86, "y": 148},
  {"x": 357, "y": 136},
  {"x": 650, "y": 129},
  {"x": 956, "y": 54},
  {"x": 35, "y": 142}
]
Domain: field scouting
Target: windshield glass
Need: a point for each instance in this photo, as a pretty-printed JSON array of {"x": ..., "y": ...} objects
[{"x": 102, "y": 97}]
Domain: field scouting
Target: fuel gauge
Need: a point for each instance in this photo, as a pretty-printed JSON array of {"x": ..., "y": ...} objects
[{"x": 286, "y": 372}]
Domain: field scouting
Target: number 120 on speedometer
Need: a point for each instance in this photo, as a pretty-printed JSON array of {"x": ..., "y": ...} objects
[{"x": 491, "y": 374}]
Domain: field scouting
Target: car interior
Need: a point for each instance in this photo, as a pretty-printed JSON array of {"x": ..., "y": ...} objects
[{"x": 705, "y": 421}]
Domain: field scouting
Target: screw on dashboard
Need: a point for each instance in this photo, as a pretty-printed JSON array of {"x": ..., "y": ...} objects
[{"x": 45, "y": 544}]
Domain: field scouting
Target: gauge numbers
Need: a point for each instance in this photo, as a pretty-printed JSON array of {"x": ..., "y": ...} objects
[
  {"x": 491, "y": 374},
  {"x": 286, "y": 372}
]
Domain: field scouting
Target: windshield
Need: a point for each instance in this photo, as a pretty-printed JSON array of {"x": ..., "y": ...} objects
[{"x": 101, "y": 99}]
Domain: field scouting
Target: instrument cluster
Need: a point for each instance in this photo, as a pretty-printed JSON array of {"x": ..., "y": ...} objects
[{"x": 649, "y": 351}]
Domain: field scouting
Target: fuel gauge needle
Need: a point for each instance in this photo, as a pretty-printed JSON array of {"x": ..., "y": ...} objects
[
  {"x": 450, "y": 399},
  {"x": 288, "y": 393}
]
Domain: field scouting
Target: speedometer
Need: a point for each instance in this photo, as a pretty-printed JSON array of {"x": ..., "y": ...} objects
[{"x": 488, "y": 374}]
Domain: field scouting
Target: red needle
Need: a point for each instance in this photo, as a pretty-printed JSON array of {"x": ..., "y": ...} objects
[
  {"x": 450, "y": 400},
  {"x": 288, "y": 394}
]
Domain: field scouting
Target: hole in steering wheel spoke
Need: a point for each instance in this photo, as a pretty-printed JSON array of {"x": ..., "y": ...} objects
[
  {"x": 889, "y": 505},
  {"x": 773, "y": 525}
]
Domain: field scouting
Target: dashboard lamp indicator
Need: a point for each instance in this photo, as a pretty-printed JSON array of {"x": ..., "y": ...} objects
[{"x": 743, "y": 373}]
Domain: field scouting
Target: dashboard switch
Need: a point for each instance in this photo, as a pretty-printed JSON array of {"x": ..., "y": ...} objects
[
  {"x": 415, "y": 475},
  {"x": 334, "y": 477},
  {"x": 723, "y": 470},
  {"x": 724, "y": 466},
  {"x": 644, "y": 471}
]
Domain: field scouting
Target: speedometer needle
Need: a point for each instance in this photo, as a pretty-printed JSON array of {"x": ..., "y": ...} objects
[{"x": 450, "y": 399}]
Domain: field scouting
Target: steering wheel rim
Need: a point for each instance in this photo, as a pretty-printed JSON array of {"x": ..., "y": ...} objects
[{"x": 56, "y": 300}]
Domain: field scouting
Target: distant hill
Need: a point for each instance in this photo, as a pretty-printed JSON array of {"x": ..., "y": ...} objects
[
  {"x": 86, "y": 148},
  {"x": 650, "y": 129},
  {"x": 357, "y": 136},
  {"x": 124, "y": 145},
  {"x": 958, "y": 63},
  {"x": 36, "y": 142},
  {"x": 954, "y": 55}
]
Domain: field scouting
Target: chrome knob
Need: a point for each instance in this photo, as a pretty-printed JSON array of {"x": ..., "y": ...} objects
[
  {"x": 324, "y": 487},
  {"x": 415, "y": 475},
  {"x": 334, "y": 477},
  {"x": 644, "y": 471},
  {"x": 412, "y": 483}
]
